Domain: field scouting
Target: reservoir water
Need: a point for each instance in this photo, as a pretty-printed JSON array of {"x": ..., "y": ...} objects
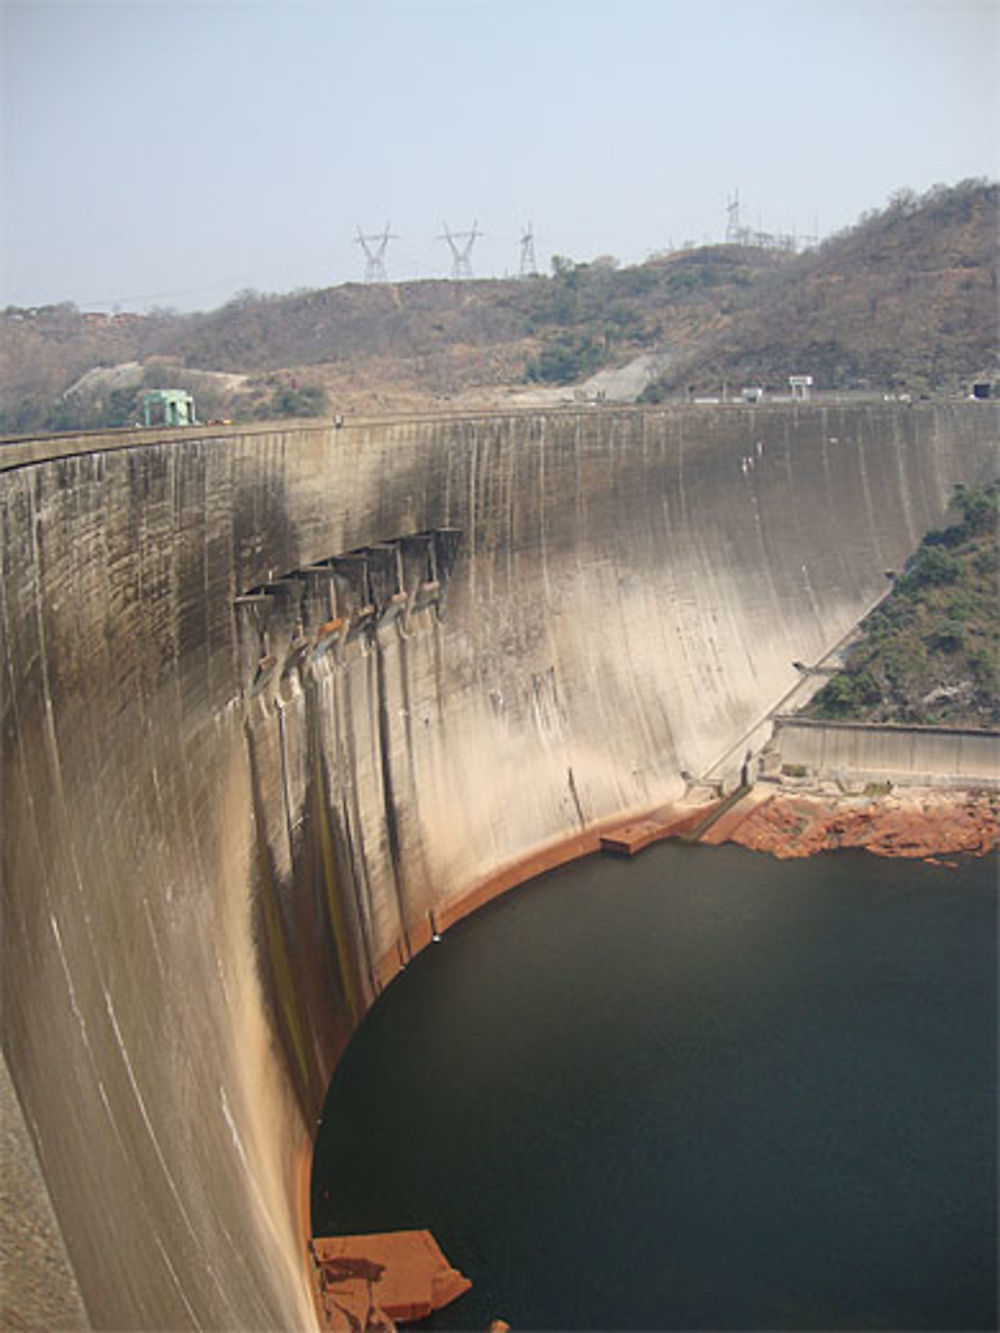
[{"x": 703, "y": 1089}]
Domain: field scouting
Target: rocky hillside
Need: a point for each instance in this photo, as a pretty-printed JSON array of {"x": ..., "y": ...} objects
[{"x": 905, "y": 300}]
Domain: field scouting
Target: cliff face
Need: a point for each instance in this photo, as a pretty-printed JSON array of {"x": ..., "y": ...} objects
[{"x": 275, "y": 698}]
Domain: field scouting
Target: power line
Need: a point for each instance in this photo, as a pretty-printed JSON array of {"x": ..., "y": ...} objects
[{"x": 144, "y": 296}]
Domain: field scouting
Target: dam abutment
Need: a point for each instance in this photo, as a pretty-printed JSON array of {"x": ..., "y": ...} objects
[{"x": 277, "y": 699}]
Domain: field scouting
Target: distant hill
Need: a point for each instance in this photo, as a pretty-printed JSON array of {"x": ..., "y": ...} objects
[{"x": 906, "y": 299}]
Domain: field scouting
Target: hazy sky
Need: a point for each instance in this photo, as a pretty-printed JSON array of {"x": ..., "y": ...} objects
[{"x": 173, "y": 153}]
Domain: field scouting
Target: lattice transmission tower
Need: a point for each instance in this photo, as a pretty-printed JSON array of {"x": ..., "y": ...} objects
[
  {"x": 460, "y": 243},
  {"x": 733, "y": 229},
  {"x": 529, "y": 265},
  {"x": 375, "y": 245}
]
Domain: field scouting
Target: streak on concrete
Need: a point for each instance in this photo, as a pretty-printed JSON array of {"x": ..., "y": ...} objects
[{"x": 205, "y": 886}]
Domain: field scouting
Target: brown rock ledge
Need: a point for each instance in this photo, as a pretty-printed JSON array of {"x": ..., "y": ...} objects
[{"x": 924, "y": 823}]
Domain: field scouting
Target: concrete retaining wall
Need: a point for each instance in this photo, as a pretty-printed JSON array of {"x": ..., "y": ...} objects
[
  {"x": 226, "y": 820},
  {"x": 901, "y": 754}
]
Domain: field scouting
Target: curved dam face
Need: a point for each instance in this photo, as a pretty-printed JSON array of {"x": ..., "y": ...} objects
[{"x": 277, "y": 700}]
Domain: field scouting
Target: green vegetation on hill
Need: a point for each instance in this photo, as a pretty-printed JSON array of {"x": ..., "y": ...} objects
[
  {"x": 589, "y": 315},
  {"x": 930, "y": 651}
]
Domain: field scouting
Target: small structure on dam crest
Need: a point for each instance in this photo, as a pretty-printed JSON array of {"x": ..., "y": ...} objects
[{"x": 168, "y": 407}]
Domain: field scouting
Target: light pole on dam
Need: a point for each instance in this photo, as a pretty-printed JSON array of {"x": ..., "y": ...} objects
[{"x": 279, "y": 701}]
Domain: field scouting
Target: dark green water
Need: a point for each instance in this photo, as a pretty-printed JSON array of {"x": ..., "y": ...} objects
[{"x": 699, "y": 1090}]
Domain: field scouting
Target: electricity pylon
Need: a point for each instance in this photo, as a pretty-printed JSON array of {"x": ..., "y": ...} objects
[
  {"x": 460, "y": 243},
  {"x": 733, "y": 230},
  {"x": 529, "y": 266},
  {"x": 375, "y": 246}
]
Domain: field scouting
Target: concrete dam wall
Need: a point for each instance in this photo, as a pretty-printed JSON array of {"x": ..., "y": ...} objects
[{"x": 276, "y": 699}]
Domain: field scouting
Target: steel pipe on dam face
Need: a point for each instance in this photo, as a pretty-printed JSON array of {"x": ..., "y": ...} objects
[{"x": 274, "y": 696}]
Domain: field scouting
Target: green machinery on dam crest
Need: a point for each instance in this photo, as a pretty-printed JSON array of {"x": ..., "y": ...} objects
[{"x": 278, "y": 697}]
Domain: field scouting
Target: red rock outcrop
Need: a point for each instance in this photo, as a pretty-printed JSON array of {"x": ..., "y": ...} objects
[{"x": 918, "y": 823}]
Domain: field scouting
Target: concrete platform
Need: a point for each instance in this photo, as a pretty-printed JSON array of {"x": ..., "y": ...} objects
[{"x": 629, "y": 838}]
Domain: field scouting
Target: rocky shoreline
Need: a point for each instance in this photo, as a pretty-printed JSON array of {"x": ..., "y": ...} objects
[{"x": 917, "y": 822}]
